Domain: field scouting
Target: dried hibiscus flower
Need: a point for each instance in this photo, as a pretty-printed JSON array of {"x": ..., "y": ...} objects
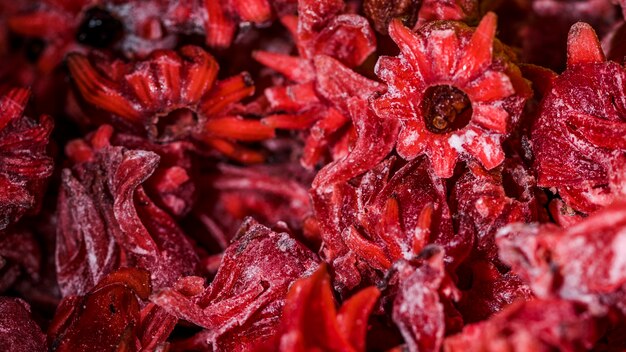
[
  {"x": 387, "y": 214},
  {"x": 24, "y": 163},
  {"x": 110, "y": 317},
  {"x": 321, "y": 76},
  {"x": 580, "y": 129},
  {"x": 20, "y": 256},
  {"x": 172, "y": 96},
  {"x": 18, "y": 331},
  {"x": 455, "y": 91},
  {"x": 241, "y": 308},
  {"x": 106, "y": 220}
]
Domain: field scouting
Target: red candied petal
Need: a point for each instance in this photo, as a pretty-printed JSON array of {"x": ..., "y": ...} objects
[
  {"x": 537, "y": 325},
  {"x": 106, "y": 220},
  {"x": 225, "y": 93},
  {"x": 294, "y": 68},
  {"x": 490, "y": 117},
  {"x": 18, "y": 331},
  {"x": 242, "y": 304},
  {"x": 108, "y": 315},
  {"x": 541, "y": 255},
  {"x": 602, "y": 133},
  {"x": 344, "y": 29},
  {"x": 480, "y": 48},
  {"x": 98, "y": 90},
  {"x": 294, "y": 97},
  {"x": 412, "y": 48},
  {"x": 310, "y": 320},
  {"x": 337, "y": 83},
  {"x": 41, "y": 23},
  {"x": 417, "y": 309},
  {"x": 219, "y": 28},
  {"x": 489, "y": 87},
  {"x": 253, "y": 10},
  {"x": 155, "y": 327},
  {"x": 237, "y": 128},
  {"x": 376, "y": 140},
  {"x": 442, "y": 50},
  {"x": 487, "y": 150},
  {"x": 583, "y": 46}
]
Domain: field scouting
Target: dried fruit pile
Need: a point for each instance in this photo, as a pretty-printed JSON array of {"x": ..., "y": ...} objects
[{"x": 312, "y": 175}]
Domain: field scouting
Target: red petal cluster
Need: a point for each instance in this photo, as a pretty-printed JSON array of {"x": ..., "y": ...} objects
[{"x": 312, "y": 175}]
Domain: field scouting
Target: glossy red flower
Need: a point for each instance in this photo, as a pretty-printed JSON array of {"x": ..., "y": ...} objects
[
  {"x": 310, "y": 321},
  {"x": 581, "y": 126},
  {"x": 24, "y": 163},
  {"x": 455, "y": 91},
  {"x": 172, "y": 96},
  {"x": 241, "y": 308},
  {"x": 537, "y": 325},
  {"x": 387, "y": 214},
  {"x": 110, "y": 316},
  {"x": 106, "y": 220},
  {"x": 18, "y": 331},
  {"x": 543, "y": 256}
]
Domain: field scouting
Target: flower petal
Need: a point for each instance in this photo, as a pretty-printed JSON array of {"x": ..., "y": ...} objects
[
  {"x": 492, "y": 85},
  {"x": 583, "y": 45},
  {"x": 479, "y": 51}
]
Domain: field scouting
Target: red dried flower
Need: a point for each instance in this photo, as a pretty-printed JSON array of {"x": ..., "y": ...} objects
[
  {"x": 311, "y": 322},
  {"x": 543, "y": 256},
  {"x": 454, "y": 90},
  {"x": 172, "y": 96},
  {"x": 110, "y": 317},
  {"x": 241, "y": 308},
  {"x": 385, "y": 215},
  {"x": 581, "y": 125},
  {"x": 24, "y": 165},
  {"x": 106, "y": 220},
  {"x": 538, "y": 325},
  {"x": 323, "y": 80}
]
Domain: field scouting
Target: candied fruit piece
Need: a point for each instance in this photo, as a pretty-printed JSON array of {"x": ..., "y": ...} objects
[{"x": 18, "y": 331}]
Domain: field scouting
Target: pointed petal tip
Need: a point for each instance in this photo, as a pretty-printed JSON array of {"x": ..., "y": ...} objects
[{"x": 583, "y": 45}]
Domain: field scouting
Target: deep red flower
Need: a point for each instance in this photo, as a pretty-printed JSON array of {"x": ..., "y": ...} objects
[
  {"x": 537, "y": 325},
  {"x": 387, "y": 214},
  {"x": 110, "y": 317},
  {"x": 24, "y": 163},
  {"x": 584, "y": 262},
  {"x": 18, "y": 331},
  {"x": 106, "y": 220},
  {"x": 581, "y": 126},
  {"x": 485, "y": 201},
  {"x": 172, "y": 96},
  {"x": 455, "y": 91},
  {"x": 329, "y": 42},
  {"x": 241, "y": 308},
  {"x": 310, "y": 321}
]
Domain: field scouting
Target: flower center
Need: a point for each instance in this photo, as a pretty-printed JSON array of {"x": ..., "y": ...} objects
[
  {"x": 175, "y": 124},
  {"x": 99, "y": 28},
  {"x": 445, "y": 109}
]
